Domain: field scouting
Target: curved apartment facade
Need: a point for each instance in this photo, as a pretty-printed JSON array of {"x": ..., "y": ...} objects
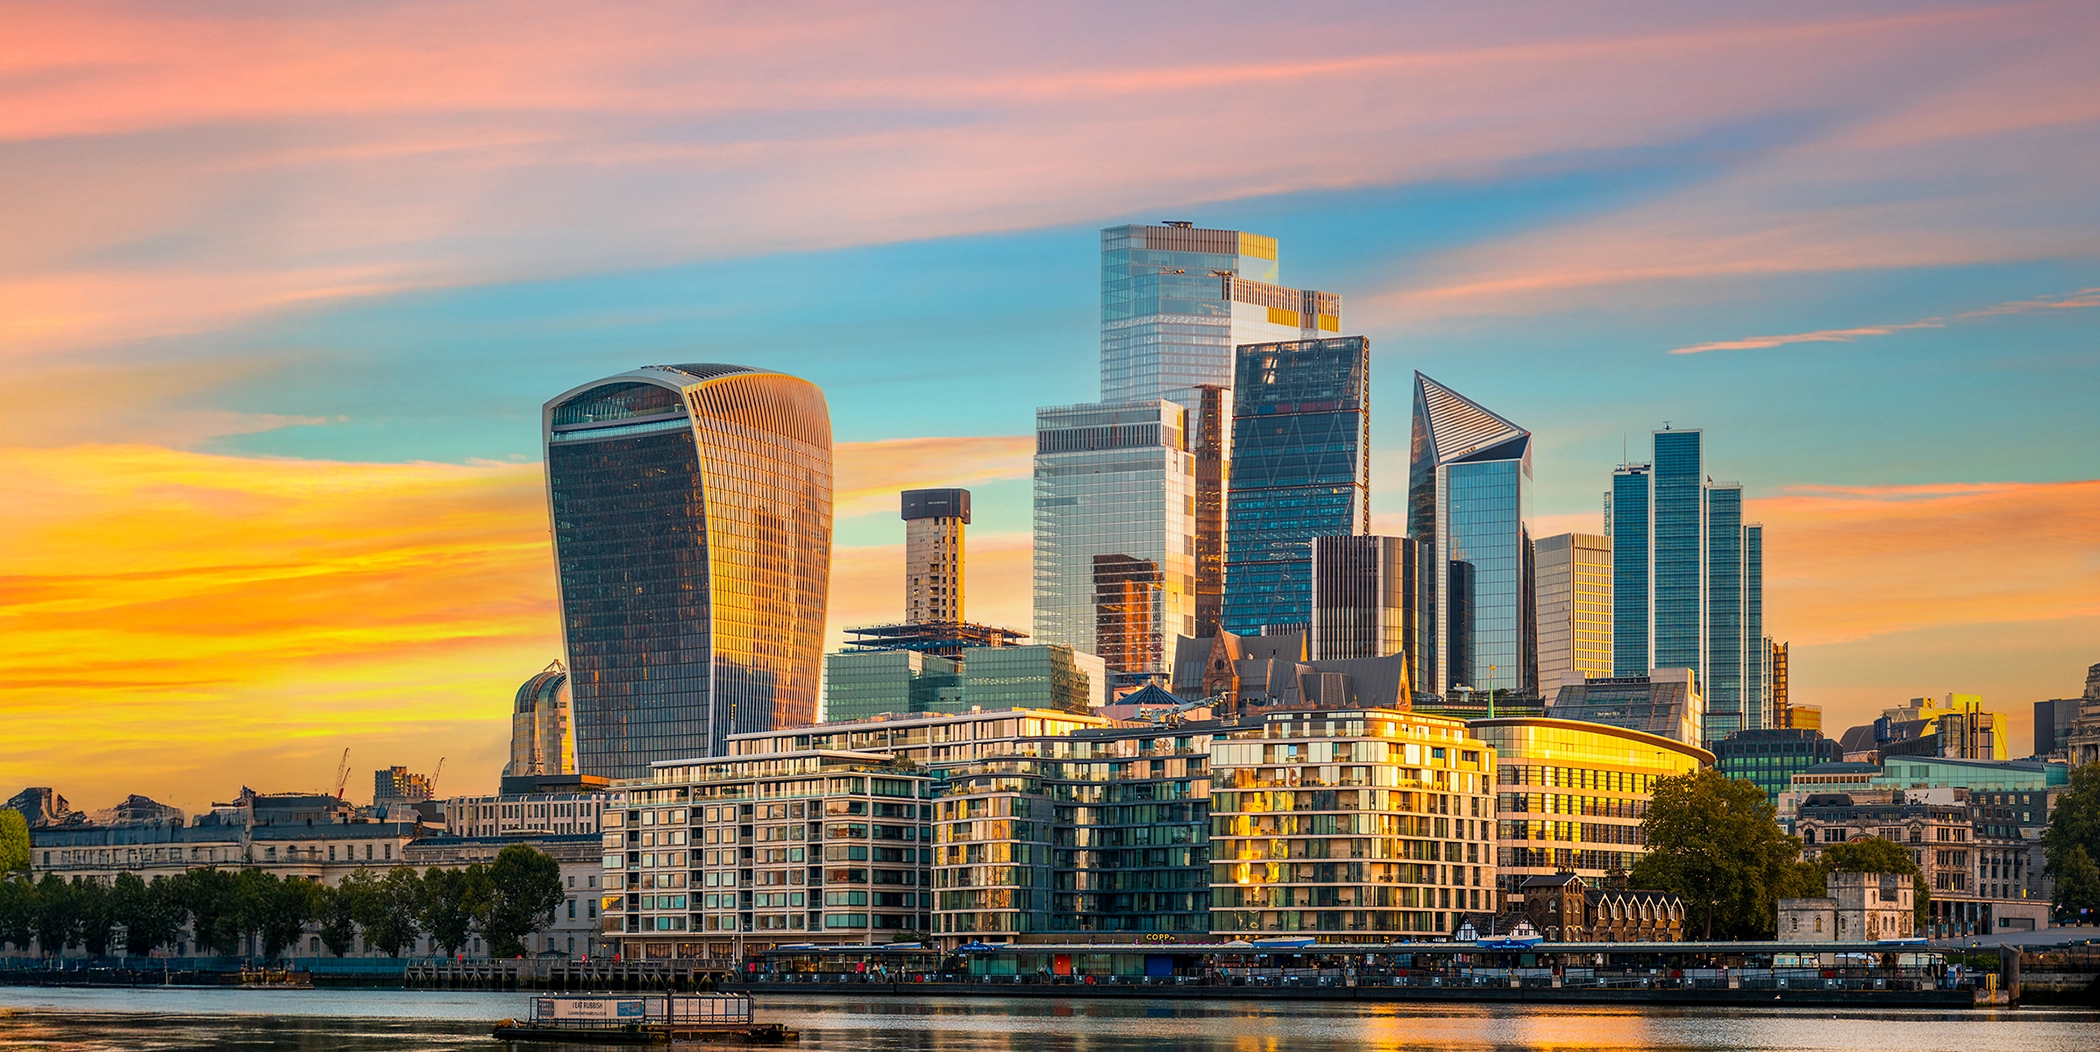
[{"x": 691, "y": 512}]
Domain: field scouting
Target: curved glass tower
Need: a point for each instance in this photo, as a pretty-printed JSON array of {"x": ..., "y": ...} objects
[{"x": 692, "y": 538}]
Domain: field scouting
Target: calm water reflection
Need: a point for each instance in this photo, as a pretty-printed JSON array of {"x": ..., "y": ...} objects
[{"x": 229, "y": 1020}]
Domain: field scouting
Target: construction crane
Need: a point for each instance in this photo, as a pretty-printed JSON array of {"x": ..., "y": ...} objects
[
  {"x": 342, "y": 774},
  {"x": 434, "y": 777}
]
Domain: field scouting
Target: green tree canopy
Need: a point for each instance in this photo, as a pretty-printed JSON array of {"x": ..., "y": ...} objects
[
  {"x": 388, "y": 911},
  {"x": 524, "y": 890},
  {"x": 337, "y": 913},
  {"x": 148, "y": 913},
  {"x": 2071, "y": 844},
  {"x": 1714, "y": 842},
  {"x": 208, "y": 897},
  {"x": 17, "y": 912},
  {"x": 453, "y": 903},
  {"x": 14, "y": 841},
  {"x": 55, "y": 920}
]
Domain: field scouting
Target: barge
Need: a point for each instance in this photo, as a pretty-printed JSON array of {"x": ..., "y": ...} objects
[{"x": 627, "y": 1019}]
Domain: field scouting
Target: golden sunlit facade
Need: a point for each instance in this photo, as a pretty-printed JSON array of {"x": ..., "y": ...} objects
[
  {"x": 1572, "y": 794},
  {"x": 1346, "y": 826},
  {"x": 692, "y": 531}
]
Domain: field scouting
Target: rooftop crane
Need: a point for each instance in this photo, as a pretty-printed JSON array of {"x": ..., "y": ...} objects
[
  {"x": 342, "y": 774},
  {"x": 434, "y": 777}
]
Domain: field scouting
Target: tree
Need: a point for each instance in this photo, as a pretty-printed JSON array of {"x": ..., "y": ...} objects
[
  {"x": 14, "y": 841},
  {"x": 1713, "y": 841},
  {"x": 208, "y": 897},
  {"x": 453, "y": 903},
  {"x": 286, "y": 907},
  {"x": 338, "y": 916},
  {"x": 55, "y": 918},
  {"x": 17, "y": 912},
  {"x": 387, "y": 911},
  {"x": 1880, "y": 855},
  {"x": 2071, "y": 844},
  {"x": 524, "y": 890},
  {"x": 91, "y": 903},
  {"x": 147, "y": 913}
]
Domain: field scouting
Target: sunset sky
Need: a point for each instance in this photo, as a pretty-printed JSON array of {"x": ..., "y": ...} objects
[{"x": 282, "y": 290}]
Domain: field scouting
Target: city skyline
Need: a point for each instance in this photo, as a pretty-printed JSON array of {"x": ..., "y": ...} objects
[{"x": 273, "y": 434}]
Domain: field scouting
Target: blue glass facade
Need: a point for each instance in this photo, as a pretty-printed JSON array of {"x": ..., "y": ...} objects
[
  {"x": 1724, "y": 611},
  {"x": 1677, "y": 527},
  {"x": 1627, "y": 524},
  {"x": 1469, "y": 510},
  {"x": 1757, "y": 649},
  {"x": 1301, "y": 469},
  {"x": 1689, "y": 587}
]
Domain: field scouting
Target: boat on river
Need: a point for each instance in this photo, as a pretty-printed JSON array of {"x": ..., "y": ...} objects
[{"x": 639, "y": 1019}]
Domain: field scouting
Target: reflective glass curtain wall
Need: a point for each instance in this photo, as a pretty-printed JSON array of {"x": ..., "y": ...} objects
[
  {"x": 1176, "y": 300},
  {"x": 1626, "y": 523},
  {"x": 1469, "y": 511},
  {"x": 1677, "y": 563},
  {"x": 1725, "y": 696},
  {"x": 1757, "y": 647},
  {"x": 1115, "y": 497},
  {"x": 1301, "y": 469},
  {"x": 691, "y": 511}
]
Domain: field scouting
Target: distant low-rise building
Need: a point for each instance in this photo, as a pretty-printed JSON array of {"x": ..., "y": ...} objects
[
  {"x": 1859, "y": 907},
  {"x": 543, "y": 814},
  {"x": 574, "y": 929},
  {"x": 1566, "y": 908},
  {"x": 1771, "y": 758}
]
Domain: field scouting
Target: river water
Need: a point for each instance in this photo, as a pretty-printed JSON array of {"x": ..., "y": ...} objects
[{"x": 66, "y": 1020}]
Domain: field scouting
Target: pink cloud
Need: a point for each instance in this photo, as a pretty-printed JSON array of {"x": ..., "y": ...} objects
[
  {"x": 2080, "y": 300},
  {"x": 321, "y": 153}
]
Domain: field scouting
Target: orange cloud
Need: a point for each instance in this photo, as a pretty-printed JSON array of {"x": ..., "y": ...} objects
[
  {"x": 1895, "y": 592},
  {"x": 869, "y": 475},
  {"x": 167, "y": 612},
  {"x": 180, "y": 622}
]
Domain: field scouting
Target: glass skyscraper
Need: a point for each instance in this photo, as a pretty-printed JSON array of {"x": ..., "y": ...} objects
[
  {"x": 1301, "y": 458},
  {"x": 1115, "y": 522},
  {"x": 1688, "y": 587},
  {"x": 1364, "y": 602},
  {"x": 1176, "y": 300},
  {"x": 691, "y": 509},
  {"x": 1469, "y": 511}
]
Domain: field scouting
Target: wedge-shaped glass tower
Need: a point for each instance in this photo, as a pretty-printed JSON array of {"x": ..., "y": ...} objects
[{"x": 1469, "y": 510}]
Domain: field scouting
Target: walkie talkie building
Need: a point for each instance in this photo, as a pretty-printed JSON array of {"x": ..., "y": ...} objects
[{"x": 691, "y": 507}]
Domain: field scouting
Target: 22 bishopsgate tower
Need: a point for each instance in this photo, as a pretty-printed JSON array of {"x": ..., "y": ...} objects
[
  {"x": 691, "y": 507},
  {"x": 1130, "y": 491}
]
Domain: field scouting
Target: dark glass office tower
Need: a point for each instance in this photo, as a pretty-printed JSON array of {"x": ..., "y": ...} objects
[
  {"x": 1725, "y": 695},
  {"x": 1677, "y": 525},
  {"x": 1364, "y": 602},
  {"x": 1626, "y": 523},
  {"x": 1301, "y": 446},
  {"x": 1469, "y": 511},
  {"x": 1210, "y": 441},
  {"x": 691, "y": 507}
]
